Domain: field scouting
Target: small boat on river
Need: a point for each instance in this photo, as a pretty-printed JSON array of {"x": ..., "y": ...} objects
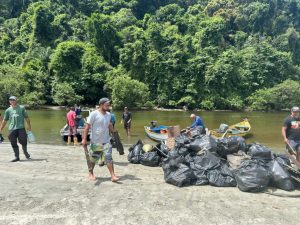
[
  {"x": 80, "y": 124},
  {"x": 157, "y": 133},
  {"x": 241, "y": 129}
]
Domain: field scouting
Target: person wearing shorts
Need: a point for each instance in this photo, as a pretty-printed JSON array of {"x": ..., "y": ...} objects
[
  {"x": 100, "y": 151},
  {"x": 71, "y": 116},
  {"x": 126, "y": 120},
  {"x": 291, "y": 131}
]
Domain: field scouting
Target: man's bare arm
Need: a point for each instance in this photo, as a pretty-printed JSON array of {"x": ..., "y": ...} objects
[
  {"x": 111, "y": 128},
  {"x": 85, "y": 133},
  {"x": 28, "y": 123},
  {"x": 2, "y": 125},
  {"x": 283, "y": 132}
]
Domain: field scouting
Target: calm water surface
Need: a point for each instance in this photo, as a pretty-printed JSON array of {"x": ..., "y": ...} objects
[{"x": 266, "y": 126}]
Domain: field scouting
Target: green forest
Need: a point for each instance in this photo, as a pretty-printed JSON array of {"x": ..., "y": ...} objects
[{"x": 218, "y": 54}]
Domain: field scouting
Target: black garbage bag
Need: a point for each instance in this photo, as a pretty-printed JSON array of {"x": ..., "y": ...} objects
[
  {"x": 182, "y": 150},
  {"x": 135, "y": 152},
  {"x": 150, "y": 159},
  {"x": 260, "y": 152},
  {"x": 181, "y": 141},
  {"x": 282, "y": 159},
  {"x": 206, "y": 143},
  {"x": 231, "y": 145},
  {"x": 197, "y": 132},
  {"x": 199, "y": 171},
  {"x": 162, "y": 150},
  {"x": 196, "y": 145},
  {"x": 252, "y": 176},
  {"x": 208, "y": 161},
  {"x": 181, "y": 176},
  {"x": 280, "y": 178},
  {"x": 221, "y": 177}
]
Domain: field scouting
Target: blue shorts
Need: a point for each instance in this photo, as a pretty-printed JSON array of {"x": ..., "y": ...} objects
[
  {"x": 101, "y": 153},
  {"x": 295, "y": 145}
]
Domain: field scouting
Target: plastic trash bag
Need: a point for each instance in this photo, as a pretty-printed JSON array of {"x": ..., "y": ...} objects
[
  {"x": 182, "y": 176},
  {"x": 221, "y": 177},
  {"x": 162, "y": 150},
  {"x": 261, "y": 152},
  {"x": 197, "y": 132},
  {"x": 206, "y": 143},
  {"x": 199, "y": 171},
  {"x": 230, "y": 145},
  {"x": 280, "y": 178},
  {"x": 135, "y": 152},
  {"x": 150, "y": 159},
  {"x": 181, "y": 140},
  {"x": 252, "y": 176}
]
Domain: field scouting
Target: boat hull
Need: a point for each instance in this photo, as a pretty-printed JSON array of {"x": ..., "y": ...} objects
[
  {"x": 64, "y": 133},
  {"x": 155, "y": 136},
  {"x": 241, "y": 129}
]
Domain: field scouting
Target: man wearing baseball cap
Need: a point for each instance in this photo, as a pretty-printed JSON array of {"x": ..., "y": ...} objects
[
  {"x": 291, "y": 130},
  {"x": 100, "y": 151},
  {"x": 15, "y": 115}
]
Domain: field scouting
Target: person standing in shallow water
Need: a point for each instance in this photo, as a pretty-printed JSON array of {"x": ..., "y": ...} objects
[
  {"x": 15, "y": 116},
  {"x": 126, "y": 120},
  {"x": 100, "y": 151}
]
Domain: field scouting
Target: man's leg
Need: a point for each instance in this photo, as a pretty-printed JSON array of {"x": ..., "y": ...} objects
[
  {"x": 69, "y": 135},
  {"x": 14, "y": 144},
  {"x": 22, "y": 136},
  {"x": 109, "y": 162},
  {"x": 75, "y": 135},
  {"x": 90, "y": 164}
]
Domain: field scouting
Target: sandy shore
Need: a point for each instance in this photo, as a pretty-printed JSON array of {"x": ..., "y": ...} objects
[{"x": 52, "y": 188}]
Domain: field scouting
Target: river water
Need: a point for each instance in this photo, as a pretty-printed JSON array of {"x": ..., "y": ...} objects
[{"x": 266, "y": 126}]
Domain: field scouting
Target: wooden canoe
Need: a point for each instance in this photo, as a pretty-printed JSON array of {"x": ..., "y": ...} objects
[
  {"x": 241, "y": 129},
  {"x": 157, "y": 134}
]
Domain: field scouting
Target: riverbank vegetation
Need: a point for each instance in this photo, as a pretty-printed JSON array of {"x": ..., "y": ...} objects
[{"x": 208, "y": 54}]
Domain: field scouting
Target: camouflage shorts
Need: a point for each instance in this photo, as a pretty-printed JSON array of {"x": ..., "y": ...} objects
[{"x": 101, "y": 153}]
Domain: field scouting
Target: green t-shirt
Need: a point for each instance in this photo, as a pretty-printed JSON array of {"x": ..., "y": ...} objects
[{"x": 15, "y": 116}]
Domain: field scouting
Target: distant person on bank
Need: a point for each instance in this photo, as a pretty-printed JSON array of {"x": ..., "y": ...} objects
[
  {"x": 291, "y": 130},
  {"x": 71, "y": 116},
  {"x": 15, "y": 116},
  {"x": 126, "y": 120},
  {"x": 100, "y": 151}
]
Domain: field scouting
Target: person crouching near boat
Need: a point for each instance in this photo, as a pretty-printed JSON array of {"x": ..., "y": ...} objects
[
  {"x": 100, "y": 151},
  {"x": 197, "y": 122},
  {"x": 291, "y": 131}
]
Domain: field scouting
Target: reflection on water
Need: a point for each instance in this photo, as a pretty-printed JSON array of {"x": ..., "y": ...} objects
[{"x": 266, "y": 127}]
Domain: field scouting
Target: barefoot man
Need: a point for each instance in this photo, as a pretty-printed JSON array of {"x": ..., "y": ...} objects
[{"x": 100, "y": 150}]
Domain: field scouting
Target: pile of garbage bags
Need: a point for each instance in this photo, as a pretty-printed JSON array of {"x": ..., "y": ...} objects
[{"x": 199, "y": 159}]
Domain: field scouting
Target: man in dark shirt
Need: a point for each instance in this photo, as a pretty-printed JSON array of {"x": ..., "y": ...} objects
[
  {"x": 126, "y": 120},
  {"x": 291, "y": 130}
]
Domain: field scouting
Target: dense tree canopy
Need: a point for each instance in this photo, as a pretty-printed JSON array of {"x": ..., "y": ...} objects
[{"x": 209, "y": 54}]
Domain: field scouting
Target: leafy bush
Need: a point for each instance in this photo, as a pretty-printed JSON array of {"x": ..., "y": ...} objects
[
  {"x": 281, "y": 96},
  {"x": 129, "y": 92}
]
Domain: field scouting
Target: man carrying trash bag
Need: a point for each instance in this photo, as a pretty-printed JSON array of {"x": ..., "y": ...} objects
[
  {"x": 291, "y": 131},
  {"x": 100, "y": 151}
]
